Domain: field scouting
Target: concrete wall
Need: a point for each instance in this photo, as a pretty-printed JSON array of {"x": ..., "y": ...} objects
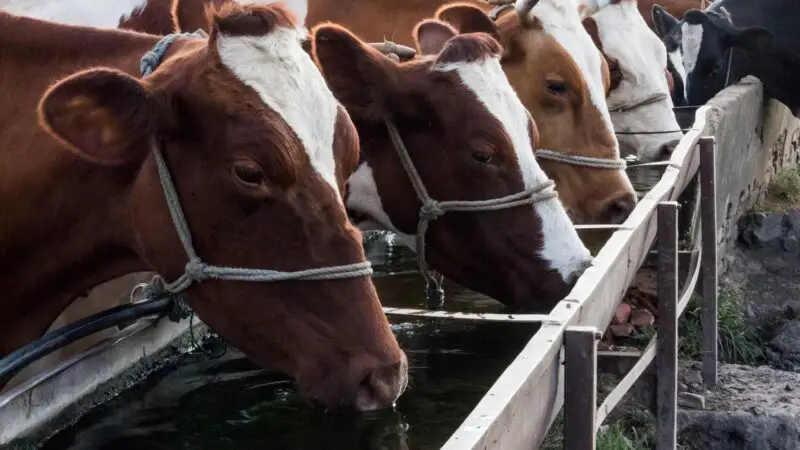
[{"x": 754, "y": 140}]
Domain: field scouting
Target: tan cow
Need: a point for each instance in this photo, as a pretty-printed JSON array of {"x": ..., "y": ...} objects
[{"x": 254, "y": 142}]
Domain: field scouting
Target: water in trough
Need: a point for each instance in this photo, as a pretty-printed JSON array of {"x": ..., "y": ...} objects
[{"x": 227, "y": 403}]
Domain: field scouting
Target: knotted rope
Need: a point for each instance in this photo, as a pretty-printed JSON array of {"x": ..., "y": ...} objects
[
  {"x": 433, "y": 209},
  {"x": 197, "y": 271}
]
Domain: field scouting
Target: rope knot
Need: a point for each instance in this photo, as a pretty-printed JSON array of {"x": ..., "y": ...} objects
[
  {"x": 431, "y": 210},
  {"x": 197, "y": 270}
]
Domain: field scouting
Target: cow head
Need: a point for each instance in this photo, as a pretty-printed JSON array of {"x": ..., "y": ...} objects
[
  {"x": 639, "y": 96},
  {"x": 469, "y": 138},
  {"x": 701, "y": 43},
  {"x": 249, "y": 130},
  {"x": 561, "y": 78}
]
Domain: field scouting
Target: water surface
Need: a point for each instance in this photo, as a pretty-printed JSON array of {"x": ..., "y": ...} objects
[{"x": 222, "y": 403}]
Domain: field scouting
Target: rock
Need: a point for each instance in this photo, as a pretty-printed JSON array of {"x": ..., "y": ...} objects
[
  {"x": 789, "y": 244},
  {"x": 622, "y": 314},
  {"x": 760, "y": 229},
  {"x": 749, "y": 409},
  {"x": 771, "y": 228},
  {"x": 774, "y": 264},
  {"x": 642, "y": 317},
  {"x": 691, "y": 401},
  {"x": 787, "y": 341},
  {"x": 792, "y": 220},
  {"x": 738, "y": 430},
  {"x": 621, "y": 330}
]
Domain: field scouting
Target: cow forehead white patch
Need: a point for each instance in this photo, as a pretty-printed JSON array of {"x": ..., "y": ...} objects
[
  {"x": 690, "y": 44},
  {"x": 561, "y": 20},
  {"x": 562, "y": 248},
  {"x": 287, "y": 81},
  {"x": 93, "y": 13}
]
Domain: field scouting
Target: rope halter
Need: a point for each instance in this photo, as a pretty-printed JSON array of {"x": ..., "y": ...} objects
[
  {"x": 196, "y": 270},
  {"x": 433, "y": 209}
]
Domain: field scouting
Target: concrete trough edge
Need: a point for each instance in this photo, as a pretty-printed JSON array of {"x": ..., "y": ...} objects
[{"x": 41, "y": 406}]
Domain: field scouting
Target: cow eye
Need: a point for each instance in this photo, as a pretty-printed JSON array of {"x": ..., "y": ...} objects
[
  {"x": 249, "y": 173},
  {"x": 558, "y": 87}
]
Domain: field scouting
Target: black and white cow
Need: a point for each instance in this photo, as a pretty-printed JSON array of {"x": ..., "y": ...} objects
[{"x": 731, "y": 39}]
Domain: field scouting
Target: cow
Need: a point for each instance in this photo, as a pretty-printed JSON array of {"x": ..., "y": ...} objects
[
  {"x": 639, "y": 97},
  {"x": 228, "y": 153},
  {"x": 732, "y": 39},
  {"x": 469, "y": 138},
  {"x": 675, "y": 7}
]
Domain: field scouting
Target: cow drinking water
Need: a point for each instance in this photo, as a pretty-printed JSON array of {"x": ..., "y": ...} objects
[
  {"x": 639, "y": 96},
  {"x": 244, "y": 126}
]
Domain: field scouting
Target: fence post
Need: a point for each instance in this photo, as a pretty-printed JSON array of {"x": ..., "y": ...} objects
[
  {"x": 667, "y": 335},
  {"x": 580, "y": 387},
  {"x": 709, "y": 282}
]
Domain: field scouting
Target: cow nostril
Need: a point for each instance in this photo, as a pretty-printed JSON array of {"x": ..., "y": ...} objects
[
  {"x": 619, "y": 209},
  {"x": 666, "y": 149}
]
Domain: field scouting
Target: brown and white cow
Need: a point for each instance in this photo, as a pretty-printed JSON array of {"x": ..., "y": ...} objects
[
  {"x": 639, "y": 99},
  {"x": 253, "y": 139},
  {"x": 470, "y": 138}
]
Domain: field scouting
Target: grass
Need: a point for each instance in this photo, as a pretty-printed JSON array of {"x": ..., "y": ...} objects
[
  {"x": 739, "y": 343},
  {"x": 626, "y": 434},
  {"x": 783, "y": 193}
]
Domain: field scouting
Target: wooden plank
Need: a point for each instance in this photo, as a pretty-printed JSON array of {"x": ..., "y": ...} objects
[
  {"x": 708, "y": 211},
  {"x": 580, "y": 398},
  {"x": 529, "y": 393},
  {"x": 520, "y": 318},
  {"x": 667, "y": 336},
  {"x": 615, "y": 396}
]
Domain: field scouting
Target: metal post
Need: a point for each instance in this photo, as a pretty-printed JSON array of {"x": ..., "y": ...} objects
[
  {"x": 667, "y": 335},
  {"x": 580, "y": 387},
  {"x": 709, "y": 283}
]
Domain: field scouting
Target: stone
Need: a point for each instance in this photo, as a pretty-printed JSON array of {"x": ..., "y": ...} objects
[
  {"x": 789, "y": 244},
  {"x": 770, "y": 229},
  {"x": 787, "y": 341},
  {"x": 622, "y": 314},
  {"x": 749, "y": 409},
  {"x": 774, "y": 264},
  {"x": 641, "y": 318},
  {"x": 621, "y": 330},
  {"x": 691, "y": 401}
]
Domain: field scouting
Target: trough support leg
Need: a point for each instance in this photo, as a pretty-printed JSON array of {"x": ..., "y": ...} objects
[
  {"x": 580, "y": 387},
  {"x": 667, "y": 335},
  {"x": 709, "y": 282}
]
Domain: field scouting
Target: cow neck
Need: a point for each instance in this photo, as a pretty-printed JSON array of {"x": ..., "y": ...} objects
[{"x": 78, "y": 234}]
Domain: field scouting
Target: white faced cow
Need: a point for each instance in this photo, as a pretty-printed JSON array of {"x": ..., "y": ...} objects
[
  {"x": 639, "y": 98},
  {"x": 732, "y": 39}
]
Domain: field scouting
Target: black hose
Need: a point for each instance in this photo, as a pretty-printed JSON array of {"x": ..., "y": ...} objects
[{"x": 50, "y": 342}]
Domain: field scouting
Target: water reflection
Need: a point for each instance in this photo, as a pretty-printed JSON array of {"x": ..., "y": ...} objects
[{"x": 227, "y": 403}]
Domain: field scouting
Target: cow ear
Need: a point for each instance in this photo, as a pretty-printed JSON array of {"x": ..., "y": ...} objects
[
  {"x": 663, "y": 21},
  {"x": 105, "y": 116},
  {"x": 468, "y": 19},
  {"x": 754, "y": 39},
  {"x": 431, "y": 35},
  {"x": 360, "y": 77}
]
